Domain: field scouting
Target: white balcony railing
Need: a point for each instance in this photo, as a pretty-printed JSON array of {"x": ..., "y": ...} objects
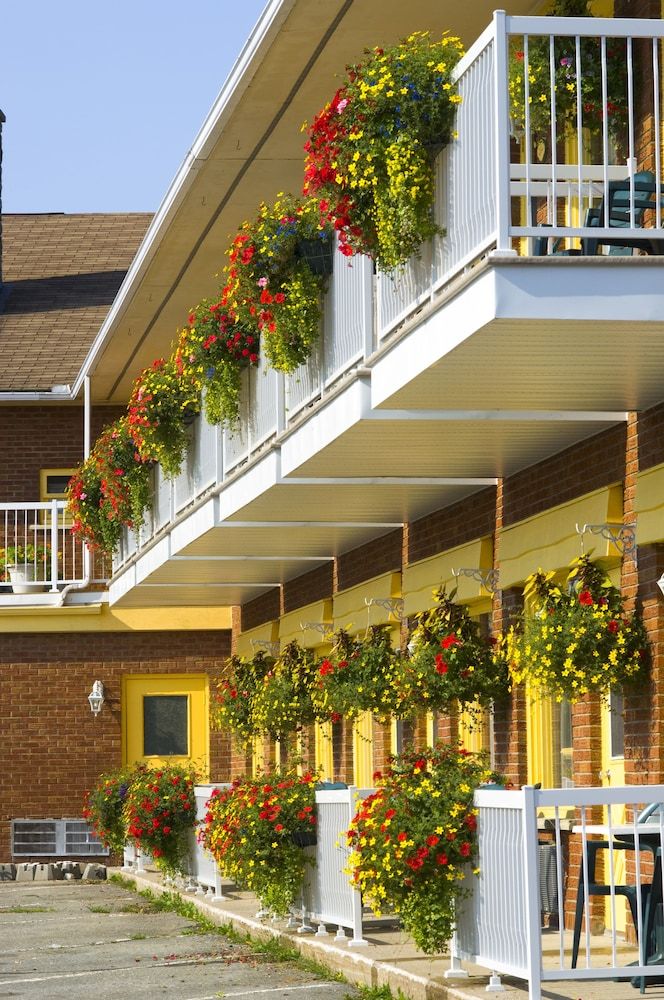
[
  {"x": 39, "y": 552},
  {"x": 513, "y": 190},
  {"x": 499, "y": 926}
]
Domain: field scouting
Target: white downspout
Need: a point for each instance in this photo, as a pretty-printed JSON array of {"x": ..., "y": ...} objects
[{"x": 87, "y": 562}]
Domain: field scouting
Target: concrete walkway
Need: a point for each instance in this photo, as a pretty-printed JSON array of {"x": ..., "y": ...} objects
[
  {"x": 73, "y": 941},
  {"x": 390, "y": 957}
]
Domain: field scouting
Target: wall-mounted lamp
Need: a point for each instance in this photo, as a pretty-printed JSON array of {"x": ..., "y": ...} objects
[
  {"x": 96, "y": 697},
  {"x": 660, "y": 583}
]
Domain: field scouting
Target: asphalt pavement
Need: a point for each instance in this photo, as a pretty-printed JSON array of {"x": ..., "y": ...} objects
[{"x": 71, "y": 940}]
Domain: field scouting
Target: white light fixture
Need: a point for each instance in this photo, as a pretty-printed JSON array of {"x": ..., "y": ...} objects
[
  {"x": 660, "y": 583},
  {"x": 96, "y": 697}
]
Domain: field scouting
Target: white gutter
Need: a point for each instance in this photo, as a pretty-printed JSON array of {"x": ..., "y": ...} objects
[
  {"x": 234, "y": 87},
  {"x": 45, "y": 396}
]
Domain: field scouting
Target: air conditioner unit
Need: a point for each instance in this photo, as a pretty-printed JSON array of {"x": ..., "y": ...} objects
[{"x": 548, "y": 878}]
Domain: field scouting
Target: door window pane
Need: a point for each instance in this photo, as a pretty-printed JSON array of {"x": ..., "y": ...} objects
[{"x": 165, "y": 725}]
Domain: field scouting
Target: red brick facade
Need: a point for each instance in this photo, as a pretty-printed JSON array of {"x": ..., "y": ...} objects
[{"x": 52, "y": 747}]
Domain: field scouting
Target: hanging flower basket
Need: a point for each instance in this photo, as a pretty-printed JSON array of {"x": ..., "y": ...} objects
[
  {"x": 452, "y": 665},
  {"x": 359, "y": 675},
  {"x": 318, "y": 254},
  {"x": 577, "y": 639}
]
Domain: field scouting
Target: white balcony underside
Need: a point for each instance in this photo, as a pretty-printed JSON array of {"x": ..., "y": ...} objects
[
  {"x": 536, "y": 334},
  {"x": 482, "y": 388}
]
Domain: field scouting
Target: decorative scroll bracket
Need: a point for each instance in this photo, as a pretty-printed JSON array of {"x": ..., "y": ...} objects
[
  {"x": 265, "y": 646},
  {"x": 393, "y": 605},
  {"x": 487, "y": 577},
  {"x": 321, "y": 627},
  {"x": 623, "y": 536}
]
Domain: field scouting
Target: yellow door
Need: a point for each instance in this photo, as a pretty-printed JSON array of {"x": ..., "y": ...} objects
[
  {"x": 612, "y": 776},
  {"x": 165, "y": 720}
]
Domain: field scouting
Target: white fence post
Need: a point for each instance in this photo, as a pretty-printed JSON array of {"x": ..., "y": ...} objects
[
  {"x": 532, "y": 900},
  {"x": 502, "y": 117}
]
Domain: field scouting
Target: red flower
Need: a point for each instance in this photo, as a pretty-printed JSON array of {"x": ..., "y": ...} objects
[
  {"x": 450, "y": 640},
  {"x": 432, "y": 840},
  {"x": 613, "y": 626},
  {"x": 441, "y": 859},
  {"x": 464, "y": 850},
  {"x": 402, "y": 836},
  {"x": 586, "y": 598},
  {"x": 279, "y": 827},
  {"x": 441, "y": 666}
]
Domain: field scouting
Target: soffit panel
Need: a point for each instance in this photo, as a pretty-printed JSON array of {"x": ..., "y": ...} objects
[
  {"x": 467, "y": 448},
  {"x": 203, "y": 571},
  {"x": 281, "y": 540},
  {"x": 207, "y": 595},
  {"x": 550, "y": 364},
  {"x": 366, "y": 503}
]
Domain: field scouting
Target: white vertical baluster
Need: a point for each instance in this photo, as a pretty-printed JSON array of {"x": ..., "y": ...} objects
[{"x": 501, "y": 107}]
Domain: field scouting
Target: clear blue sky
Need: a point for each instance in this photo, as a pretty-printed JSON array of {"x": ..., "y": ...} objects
[{"x": 103, "y": 98}]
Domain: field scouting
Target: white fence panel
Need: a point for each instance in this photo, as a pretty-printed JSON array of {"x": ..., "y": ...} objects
[
  {"x": 263, "y": 403},
  {"x": 204, "y": 867},
  {"x": 237, "y": 440},
  {"x": 328, "y": 895},
  {"x": 305, "y": 384},
  {"x": 500, "y": 926},
  {"x": 398, "y": 294},
  {"x": 348, "y": 323},
  {"x": 205, "y": 455},
  {"x": 466, "y": 171}
]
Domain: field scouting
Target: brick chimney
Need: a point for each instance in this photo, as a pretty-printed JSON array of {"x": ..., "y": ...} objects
[{"x": 2, "y": 119}]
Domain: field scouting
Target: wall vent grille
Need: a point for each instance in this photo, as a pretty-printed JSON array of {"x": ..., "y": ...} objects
[{"x": 54, "y": 838}]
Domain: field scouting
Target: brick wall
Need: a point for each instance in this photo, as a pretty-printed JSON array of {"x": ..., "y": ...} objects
[
  {"x": 52, "y": 747},
  {"x": 471, "y": 518},
  {"x": 590, "y": 465},
  {"x": 33, "y": 438},
  {"x": 381, "y": 555}
]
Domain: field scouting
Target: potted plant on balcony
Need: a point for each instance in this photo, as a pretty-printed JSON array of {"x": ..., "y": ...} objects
[
  {"x": 452, "y": 664},
  {"x": 110, "y": 490},
  {"x": 577, "y": 639},
  {"x": 251, "y": 830},
  {"x": 163, "y": 398},
  {"x": 568, "y": 82},
  {"x": 275, "y": 275},
  {"x": 213, "y": 350},
  {"x": 414, "y": 841},
  {"x": 369, "y": 152},
  {"x": 25, "y": 564},
  {"x": 359, "y": 675}
]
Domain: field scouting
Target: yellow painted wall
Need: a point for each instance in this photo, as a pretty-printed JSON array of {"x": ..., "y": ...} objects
[
  {"x": 549, "y": 539},
  {"x": 101, "y": 618}
]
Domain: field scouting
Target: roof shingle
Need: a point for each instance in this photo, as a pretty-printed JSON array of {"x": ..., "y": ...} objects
[{"x": 60, "y": 275}]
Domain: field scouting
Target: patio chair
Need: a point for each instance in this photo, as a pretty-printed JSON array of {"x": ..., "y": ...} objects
[
  {"x": 619, "y": 217},
  {"x": 618, "y": 214},
  {"x": 597, "y": 888}
]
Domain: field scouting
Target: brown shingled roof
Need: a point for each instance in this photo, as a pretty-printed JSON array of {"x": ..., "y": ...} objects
[{"x": 60, "y": 275}]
